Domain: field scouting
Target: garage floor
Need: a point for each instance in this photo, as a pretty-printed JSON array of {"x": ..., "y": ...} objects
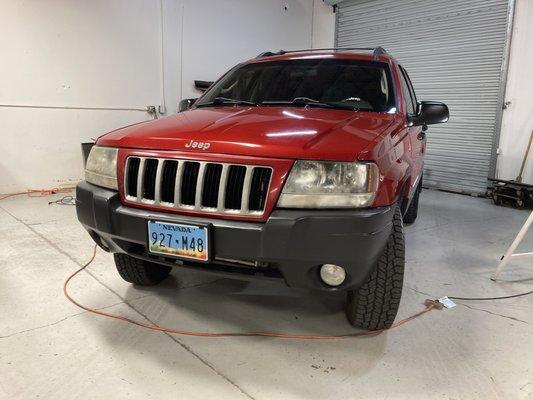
[{"x": 49, "y": 349}]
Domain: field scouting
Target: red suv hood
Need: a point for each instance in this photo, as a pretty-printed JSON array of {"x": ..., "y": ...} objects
[{"x": 278, "y": 132}]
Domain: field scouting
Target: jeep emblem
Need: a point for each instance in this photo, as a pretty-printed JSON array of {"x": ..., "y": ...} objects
[{"x": 198, "y": 145}]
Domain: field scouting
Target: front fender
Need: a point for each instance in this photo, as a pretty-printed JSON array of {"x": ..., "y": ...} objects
[{"x": 392, "y": 155}]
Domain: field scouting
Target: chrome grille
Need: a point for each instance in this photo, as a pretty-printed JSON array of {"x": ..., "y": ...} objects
[{"x": 197, "y": 185}]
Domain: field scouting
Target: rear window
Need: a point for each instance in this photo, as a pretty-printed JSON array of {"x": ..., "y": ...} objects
[{"x": 363, "y": 85}]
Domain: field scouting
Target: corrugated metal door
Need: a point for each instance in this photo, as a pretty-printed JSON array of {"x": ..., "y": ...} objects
[{"x": 453, "y": 51}]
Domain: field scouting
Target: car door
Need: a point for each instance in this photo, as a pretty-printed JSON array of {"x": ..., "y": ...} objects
[{"x": 417, "y": 134}]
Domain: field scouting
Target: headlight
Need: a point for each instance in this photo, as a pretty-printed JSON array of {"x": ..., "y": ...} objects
[
  {"x": 318, "y": 184},
  {"x": 101, "y": 168}
]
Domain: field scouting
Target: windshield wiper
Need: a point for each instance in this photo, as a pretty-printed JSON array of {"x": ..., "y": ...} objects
[
  {"x": 220, "y": 101},
  {"x": 308, "y": 102},
  {"x": 297, "y": 101}
]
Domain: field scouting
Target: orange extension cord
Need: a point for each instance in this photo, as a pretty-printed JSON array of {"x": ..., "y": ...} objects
[
  {"x": 172, "y": 331},
  {"x": 40, "y": 192},
  {"x": 154, "y": 327}
]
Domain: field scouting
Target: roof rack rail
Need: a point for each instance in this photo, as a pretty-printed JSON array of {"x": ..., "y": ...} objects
[
  {"x": 270, "y": 53},
  {"x": 376, "y": 51}
]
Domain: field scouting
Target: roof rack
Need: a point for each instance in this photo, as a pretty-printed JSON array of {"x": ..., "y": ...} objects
[{"x": 376, "y": 51}]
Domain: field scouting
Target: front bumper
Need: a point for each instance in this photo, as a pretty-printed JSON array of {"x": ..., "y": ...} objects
[{"x": 291, "y": 245}]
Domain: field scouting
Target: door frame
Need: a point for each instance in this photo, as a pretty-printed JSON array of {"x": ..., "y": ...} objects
[{"x": 511, "y": 9}]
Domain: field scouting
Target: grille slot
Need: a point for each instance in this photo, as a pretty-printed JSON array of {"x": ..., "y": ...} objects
[
  {"x": 259, "y": 189},
  {"x": 213, "y": 172},
  {"x": 150, "y": 172},
  {"x": 234, "y": 187},
  {"x": 168, "y": 181},
  {"x": 188, "y": 183},
  {"x": 132, "y": 172},
  {"x": 206, "y": 186}
]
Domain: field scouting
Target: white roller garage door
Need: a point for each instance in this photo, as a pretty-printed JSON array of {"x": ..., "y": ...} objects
[{"x": 454, "y": 51}]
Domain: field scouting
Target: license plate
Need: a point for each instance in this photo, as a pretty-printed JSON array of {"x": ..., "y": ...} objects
[{"x": 179, "y": 240}]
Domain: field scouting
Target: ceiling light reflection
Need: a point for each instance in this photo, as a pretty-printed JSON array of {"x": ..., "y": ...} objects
[
  {"x": 292, "y": 133},
  {"x": 292, "y": 115}
]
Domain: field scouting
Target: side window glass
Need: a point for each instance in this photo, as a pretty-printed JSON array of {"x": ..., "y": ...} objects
[
  {"x": 410, "y": 104},
  {"x": 411, "y": 89}
]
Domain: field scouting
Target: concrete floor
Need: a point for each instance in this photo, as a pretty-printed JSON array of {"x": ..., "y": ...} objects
[{"x": 49, "y": 349}]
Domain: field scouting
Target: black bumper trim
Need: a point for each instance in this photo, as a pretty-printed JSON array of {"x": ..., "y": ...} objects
[{"x": 292, "y": 243}]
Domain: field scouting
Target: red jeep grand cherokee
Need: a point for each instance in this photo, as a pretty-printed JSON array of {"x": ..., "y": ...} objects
[{"x": 296, "y": 166}]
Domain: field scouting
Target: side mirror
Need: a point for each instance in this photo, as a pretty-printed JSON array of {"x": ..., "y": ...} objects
[
  {"x": 430, "y": 112},
  {"x": 185, "y": 104},
  {"x": 202, "y": 86}
]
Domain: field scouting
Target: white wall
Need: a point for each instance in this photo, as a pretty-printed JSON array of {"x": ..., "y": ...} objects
[
  {"x": 219, "y": 34},
  {"x": 518, "y": 117},
  {"x": 107, "y": 54},
  {"x": 323, "y": 25},
  {"x": 61, "y": 53}
]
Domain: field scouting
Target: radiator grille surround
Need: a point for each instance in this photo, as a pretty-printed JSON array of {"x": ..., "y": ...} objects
[{"x": 211, "y": 187}]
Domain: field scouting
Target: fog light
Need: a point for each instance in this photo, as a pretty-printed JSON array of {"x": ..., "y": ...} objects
[{"x": 332, "y": 275}]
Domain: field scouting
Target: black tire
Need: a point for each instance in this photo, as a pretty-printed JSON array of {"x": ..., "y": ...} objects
[
  {"x": 411, "y": 213},
  {"x": 375, "y": 304},
  {"x": 140, "y": 272}
]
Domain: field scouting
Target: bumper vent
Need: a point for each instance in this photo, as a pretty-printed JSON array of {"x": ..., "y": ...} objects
[{"x": 197, "y": 185}]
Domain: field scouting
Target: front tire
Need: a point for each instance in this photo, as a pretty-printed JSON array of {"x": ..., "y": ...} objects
[
  {"x": 140, "y": 272},
  {"x": 375, "y": 304}
]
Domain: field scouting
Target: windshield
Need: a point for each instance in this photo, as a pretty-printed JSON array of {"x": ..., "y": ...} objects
[{"x": 331, "y": 83}]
